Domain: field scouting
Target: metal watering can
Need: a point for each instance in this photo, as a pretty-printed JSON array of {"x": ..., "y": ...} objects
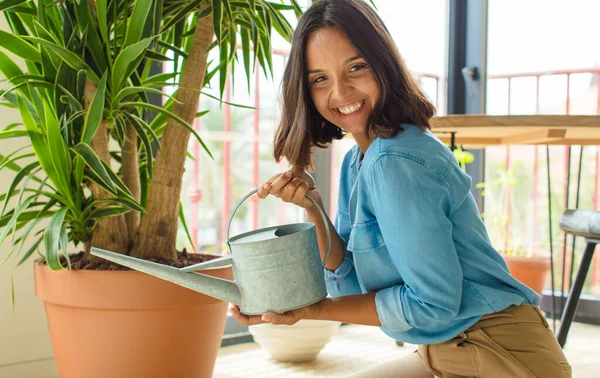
[{"x": 276, "y": 269}]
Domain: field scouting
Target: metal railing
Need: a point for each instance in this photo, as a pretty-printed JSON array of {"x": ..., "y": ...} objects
[{"x": 538, "y": 153}]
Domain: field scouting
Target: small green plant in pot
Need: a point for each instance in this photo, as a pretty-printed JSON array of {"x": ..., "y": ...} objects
[{"x": 102, "y": 166}]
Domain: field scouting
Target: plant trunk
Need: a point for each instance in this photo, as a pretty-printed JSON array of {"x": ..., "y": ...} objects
[
  {"x": 111, "y": 232},
  {"x": 131, "y": 178},
  {"x": 157, "y": 233}
]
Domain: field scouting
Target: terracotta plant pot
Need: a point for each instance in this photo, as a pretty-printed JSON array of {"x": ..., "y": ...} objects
[
  {"x": 532, "y": 271},
  {"x": 127, "y": 324},
  {"x": 300, "y": 342}
]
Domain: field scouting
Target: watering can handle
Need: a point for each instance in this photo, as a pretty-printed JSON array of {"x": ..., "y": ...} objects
[{"x": 323, "y": 215}]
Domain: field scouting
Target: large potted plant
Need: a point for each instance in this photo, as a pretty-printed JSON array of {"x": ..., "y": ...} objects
[{"x": 102, "y": 166}]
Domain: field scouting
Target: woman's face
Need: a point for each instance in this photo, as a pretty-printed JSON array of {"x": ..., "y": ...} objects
[{"x": 342, "y": 85}]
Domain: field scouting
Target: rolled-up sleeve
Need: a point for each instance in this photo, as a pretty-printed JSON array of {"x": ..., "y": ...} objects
[{"x": 412, "y": 205}]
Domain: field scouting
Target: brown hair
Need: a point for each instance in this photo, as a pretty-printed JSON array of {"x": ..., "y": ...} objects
[{"x": 401, "y": 101}]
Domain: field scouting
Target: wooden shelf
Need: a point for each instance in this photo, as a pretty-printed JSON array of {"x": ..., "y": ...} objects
[{"x": 483, "y": 130}]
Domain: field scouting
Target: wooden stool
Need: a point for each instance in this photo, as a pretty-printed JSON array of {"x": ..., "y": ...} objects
[{"x": 584, "y": 223}]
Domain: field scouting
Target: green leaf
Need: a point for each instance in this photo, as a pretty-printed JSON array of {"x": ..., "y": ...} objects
[
  {"x": 127, "y": 91},
  {"x": 140, "y": 127},
  {"x": 18, "y": 46},
  {"x": 6, "y": 4},
  {"x": 30, "y": 251},
  {"x": 246, "y": 52},
  {"x": 108, "y": 211},
  {"x": 12, "y": 220},
  {"x": 157, "y": 56},
  {"x": 185, "y": 227},
  {"x": 94, "y": 113},
  {"x": 173, "y": 116},
  {"x": 217, "y": 17},
  {"x": 184, "y": 13},
  {"x": 59, "y": 153},
  {"x": 38, "y": 143},
  {"x": 127, "y": 202},
  {"x": 228, "y": 9},
  {"x": 95, "y": 164},
  {"x": 18, "y": 177},
  {"x": 122, "y": 67},
  {"x": 52, "y": 238},
  {"x": 13, "y": 134},
  {"x": 67, "y": 56},
  {"x": 137, "y": 21},
  {"x": 228, "y": 103},
  {"x": 297, "y": 8},
  {"x": 174, "y": 49},
  {"x": 160, "y": 79},
  {"x": 64, "y": 243},
  {"x": 9, "y": 68},
  {"x": 102, "y": 20}
]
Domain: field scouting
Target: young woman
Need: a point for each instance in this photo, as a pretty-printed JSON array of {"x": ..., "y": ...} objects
[{"x": 409, "y": 253}]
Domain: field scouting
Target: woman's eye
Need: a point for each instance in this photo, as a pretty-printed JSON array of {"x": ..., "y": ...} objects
[
  {"x": 318, "y": 80},
  {"x": 358, "y": 67}
]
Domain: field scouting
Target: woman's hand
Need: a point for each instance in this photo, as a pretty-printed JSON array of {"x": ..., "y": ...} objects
[
  {"x": 292, "y": 186},
  {"x": 288, "y": 317}
]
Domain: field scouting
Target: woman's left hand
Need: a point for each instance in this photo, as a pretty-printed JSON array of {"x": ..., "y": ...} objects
[{"x": 288, "y": 317}]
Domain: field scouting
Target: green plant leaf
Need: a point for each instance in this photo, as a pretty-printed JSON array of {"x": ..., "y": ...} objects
[
  {"x": 18, "y": 46},
  {"x": 246, "y": 53},
  {"x": 297, "y": 9},
  {"x": 137, "y": 22},
  {"x": 127, "y": 202},
  {"x": 101, "y": 13},
  {"x": 13, "y": 134},
  {"x": 30, "y": 251},
  {"x": 140, "y": 128},
  {"x": 217, "y": 17},
  {"x": 123, "y": 67},
  {"x": 10, "y": 69},
  {"x": 185, "y": 227},
  {"x": 127, "y": 91},
  {"x": 7, "y": 4},
  {"x": 228, "y": 103},
  {"x": 160, "y": 80},
  {"x": 108, "y": 211},
  {"x": 38, "y": 143},
  {"x": 11, "y": 219},
  {"x": 18, "y": 177},
  {"x": 173, "y": 116},
  {"x": 95, "y": 164},
  {"x": 67, "y": 56},
  {"x": 52, "y": 238},
  {"x": 94, "y": 113},
  {"x": 59, "y": 153}
]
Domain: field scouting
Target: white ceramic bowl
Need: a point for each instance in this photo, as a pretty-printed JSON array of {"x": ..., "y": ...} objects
[{"x": 297, "y": 343}]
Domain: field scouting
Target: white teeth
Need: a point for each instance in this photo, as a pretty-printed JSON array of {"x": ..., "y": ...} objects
[{"x": 351, "y": 109}]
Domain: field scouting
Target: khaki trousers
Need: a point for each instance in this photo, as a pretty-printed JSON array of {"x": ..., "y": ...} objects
[{"x": 516, "y": 342}]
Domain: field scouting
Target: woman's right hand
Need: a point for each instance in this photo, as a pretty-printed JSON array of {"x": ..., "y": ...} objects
[{"x": 292, "y": 186}]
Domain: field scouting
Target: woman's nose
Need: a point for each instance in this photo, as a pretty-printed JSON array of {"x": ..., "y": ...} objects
[{"x": 341, "y": 89}]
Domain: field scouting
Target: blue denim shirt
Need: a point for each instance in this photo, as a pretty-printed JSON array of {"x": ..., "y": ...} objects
[{"x": 413, "y": 235}]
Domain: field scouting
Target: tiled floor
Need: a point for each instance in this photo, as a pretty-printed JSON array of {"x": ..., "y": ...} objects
[{"x": 356, "y": 347}]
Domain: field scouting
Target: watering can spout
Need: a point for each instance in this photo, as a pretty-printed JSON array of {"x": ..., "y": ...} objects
[{"x": 216, "y": 287}]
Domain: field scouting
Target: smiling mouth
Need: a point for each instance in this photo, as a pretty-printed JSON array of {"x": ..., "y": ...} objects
[{"x": 352, "y": 108}]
